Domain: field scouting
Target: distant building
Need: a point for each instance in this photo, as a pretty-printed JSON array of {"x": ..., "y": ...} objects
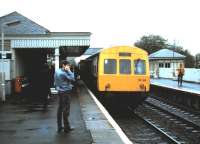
[{"x": 164, "y": 58}]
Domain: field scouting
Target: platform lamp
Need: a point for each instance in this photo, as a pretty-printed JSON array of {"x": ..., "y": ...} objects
[
  {"x": 174, "y": 46},
  {"x": 3, "y": 54}
]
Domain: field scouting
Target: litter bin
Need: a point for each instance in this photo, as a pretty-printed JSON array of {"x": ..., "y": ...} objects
[{"x": 18, "y": 85}]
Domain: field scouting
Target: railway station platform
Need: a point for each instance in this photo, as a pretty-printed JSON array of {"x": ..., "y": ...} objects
[
  {"x": 187, "y": 96},
  {"x": 173, "y": 84},
  {"x": 32, "y": 123}
]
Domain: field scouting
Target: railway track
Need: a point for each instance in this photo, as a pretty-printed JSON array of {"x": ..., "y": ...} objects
[
  {"x": 169, "y": 137},
  {"x": 158, "y": 122},
  {"x": 138, "y": 130},
  {"x": 187, "y": 116},
  {"x": 180, "y": 126}
]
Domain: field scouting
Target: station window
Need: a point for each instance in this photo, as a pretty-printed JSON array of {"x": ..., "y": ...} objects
[
  {"x": 167, "y": 65},
  {"x": 7, "y": 45},
  {"x": 8, "y": 56},
  {"x": 125, "y": 66},
  {"x": 110, "y": 66},
  {"x": 139, "y": 67},
  {"x": 161, "y": 65}
]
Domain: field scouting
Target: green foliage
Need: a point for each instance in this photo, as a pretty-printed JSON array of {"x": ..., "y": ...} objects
[
  {"x": 198, "y": 56},
  {"x": 189, "y": 58},
  {"x": 197, "y": 63},
  {"x": 151, "y": 43}
]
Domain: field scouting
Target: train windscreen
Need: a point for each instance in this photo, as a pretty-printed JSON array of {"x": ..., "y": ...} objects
[
  {"x": 139, "y": 67},
  {"x": 110, "y": 66},
  {"x": 125, "y": 66}
]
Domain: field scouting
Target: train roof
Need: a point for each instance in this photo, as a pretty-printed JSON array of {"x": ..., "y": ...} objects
[
  {"x": 91, "y": 51},
  {"x": 117, "y": 49}
]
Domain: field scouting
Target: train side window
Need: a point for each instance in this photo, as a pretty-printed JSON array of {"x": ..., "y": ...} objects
[
  {"x": 125, "y": 66},
  {"x": 140, "y": 67},
  {"x": 110, "y": 66},
  {"x": 94, "y": 67}
]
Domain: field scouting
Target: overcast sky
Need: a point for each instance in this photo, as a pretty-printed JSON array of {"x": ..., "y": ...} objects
[{"x": 116, "y": 22}]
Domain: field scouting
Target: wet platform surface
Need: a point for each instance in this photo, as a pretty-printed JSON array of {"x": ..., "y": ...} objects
[
  {"x": 101, "y": 129},
  {"x": 169, "y": 83},
  {"x": 33, "y": 124}
]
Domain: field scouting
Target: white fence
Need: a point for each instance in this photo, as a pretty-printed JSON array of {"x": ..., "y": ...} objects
[
  {"x": 191, "y": 74},
  {"x": 6, "y": 68}
]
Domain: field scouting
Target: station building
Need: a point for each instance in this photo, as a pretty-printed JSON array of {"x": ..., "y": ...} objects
[
  {"x": 27, "y": 45},
  {"x": 165, "y": 58}
]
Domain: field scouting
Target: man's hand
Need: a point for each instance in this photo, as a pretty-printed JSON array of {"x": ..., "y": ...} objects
[
  {"x": 67, "y": 68},
  {"x": 78, "y": 77}
]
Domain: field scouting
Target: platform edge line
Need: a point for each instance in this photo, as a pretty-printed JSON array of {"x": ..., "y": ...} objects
[{"x": 119, "y": 131}]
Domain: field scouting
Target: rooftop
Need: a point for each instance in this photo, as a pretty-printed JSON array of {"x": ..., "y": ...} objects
[
  {"x": 24, "y": 26},
  {"x": 166, "y": 54}
]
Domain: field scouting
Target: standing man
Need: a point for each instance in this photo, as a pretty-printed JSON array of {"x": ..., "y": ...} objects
[
  {"x": 63, "y": 78},
  {"x": 181, "y": 72}
]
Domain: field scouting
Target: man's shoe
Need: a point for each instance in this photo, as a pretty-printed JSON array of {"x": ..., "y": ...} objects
[
  {"x": 68, "y": 129},
  {"x": 60, "y": 129}
]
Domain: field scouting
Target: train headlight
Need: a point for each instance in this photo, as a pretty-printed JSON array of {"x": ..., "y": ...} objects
[
  {"x": 142, "y": 87},
  {"x": 107, "y": 87}
]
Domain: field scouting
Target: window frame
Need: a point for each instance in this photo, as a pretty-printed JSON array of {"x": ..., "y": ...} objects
[
  {"x": 129, "y": 69},
  {"x": 115, "y": 71},
  {"x": 144, "y": 64},
  {"x": 167, "y": 65},
  {"x": 161, "y": 65}
]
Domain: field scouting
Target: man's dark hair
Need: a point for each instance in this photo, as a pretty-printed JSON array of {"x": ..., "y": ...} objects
[{"x": 65, "y": 62}]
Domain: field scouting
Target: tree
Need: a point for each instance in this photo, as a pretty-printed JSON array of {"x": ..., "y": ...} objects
[
  {"x": 151, "y": 43},
  {"x": 197, "y": 63},
  {"x": 178, "y": 49},
  {"x": 189, "y": 58}
]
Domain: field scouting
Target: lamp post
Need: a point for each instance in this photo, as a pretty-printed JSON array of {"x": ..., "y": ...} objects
[
  {"x": 173, "y": 59},
  {"x": 3, "y": 55}
]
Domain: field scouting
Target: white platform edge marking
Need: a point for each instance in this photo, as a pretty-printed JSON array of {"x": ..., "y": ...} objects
[{"x": 119, "y": 131}]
